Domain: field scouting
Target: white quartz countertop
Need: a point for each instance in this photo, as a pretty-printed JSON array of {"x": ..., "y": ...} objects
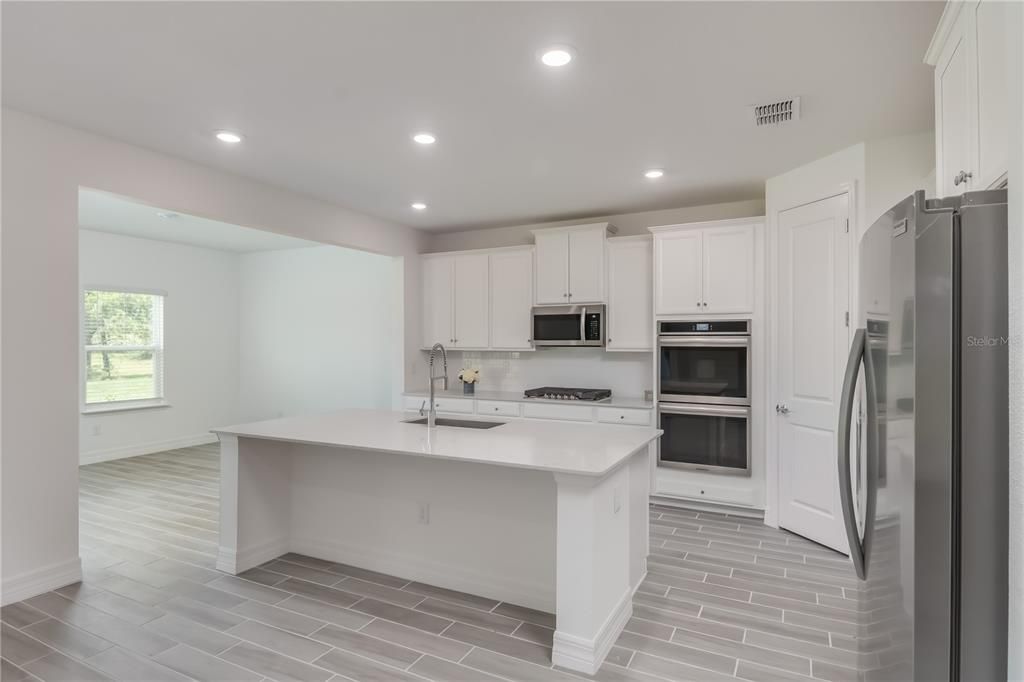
[
  {"x": 517, "y": 397},
  {"x": 560, "y": 447}
]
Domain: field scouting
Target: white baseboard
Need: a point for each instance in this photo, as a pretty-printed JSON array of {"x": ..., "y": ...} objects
[
  {"x": 448, "y": 575},
  {"x": 587, "y": 655},
  {"x": 94, "y": 456},
  {"x": 235, "y": 561},
  {"x": 704, "y": 505},
  {"x": 41, "y": 580}
]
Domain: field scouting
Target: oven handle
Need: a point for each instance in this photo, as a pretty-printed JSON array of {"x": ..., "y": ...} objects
[
  {"x": 704, "y": 341},
  {"x": 707, "y": 410}
]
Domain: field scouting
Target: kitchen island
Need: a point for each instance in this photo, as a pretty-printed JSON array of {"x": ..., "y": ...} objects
[{"x": 548, "y": 515}]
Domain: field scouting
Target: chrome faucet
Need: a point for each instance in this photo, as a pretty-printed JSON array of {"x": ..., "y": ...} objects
[{"x": 432, "y": 414}]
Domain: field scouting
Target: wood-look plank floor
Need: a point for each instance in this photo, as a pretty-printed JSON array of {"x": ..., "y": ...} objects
[{"x": 725, "y": 598}]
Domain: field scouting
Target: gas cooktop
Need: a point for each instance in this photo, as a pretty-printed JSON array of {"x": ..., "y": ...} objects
[{"x": 559, "y": 393}]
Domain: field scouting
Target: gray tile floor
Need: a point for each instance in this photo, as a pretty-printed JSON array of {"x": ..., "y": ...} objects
[{"x": 725, "y": 598}]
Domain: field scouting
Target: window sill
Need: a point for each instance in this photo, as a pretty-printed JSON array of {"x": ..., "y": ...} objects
[{"x": 125, "y": 407}]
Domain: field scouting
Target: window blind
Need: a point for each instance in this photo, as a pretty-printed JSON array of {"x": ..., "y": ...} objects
[{"x": 123, "y": 347}]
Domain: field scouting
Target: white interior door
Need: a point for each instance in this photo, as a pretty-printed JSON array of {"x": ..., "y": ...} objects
[{"x": 813, "y": 342}]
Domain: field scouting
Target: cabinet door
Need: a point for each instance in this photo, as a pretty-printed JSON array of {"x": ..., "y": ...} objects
[
  {"x": 629, "y": 295},
  {"x": 511, "y": 300},
  {"x": 677, "y": 272},
  {"x": 471, "y": 301},
  {"x": 552, "y": 271},
  {"x": 728, "y": 282},
  {"x": 586, "y": 266},
  {"x": 437, "y": 301},
  {"x": 953, "y": 120},
  {"x": 993, "y": 99}
]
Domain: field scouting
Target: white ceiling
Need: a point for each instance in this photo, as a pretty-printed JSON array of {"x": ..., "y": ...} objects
[
  {"x": 328, "y": 94},
  {"x": 105, "y": 212}
]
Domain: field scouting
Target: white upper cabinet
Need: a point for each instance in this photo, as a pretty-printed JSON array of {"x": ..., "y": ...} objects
[
  {"x": 990, "y": 17},
  {"x": 455, "y": 301},
  {"x": 677, "y": 279},
  {"x": 552, "y": 273},
  {"x": 471, "y": 301},
  {"x": 630, "y": 313},
  {"x": 437, "y": 275},
  {"x": 478, "y": 300},
  {"x": 952, "y": 114},
  {"x": 511, "y": 287},
  {"x": 570, "y": 264},
  {"x": 586, "y": 265},
  {"x": 970, "y": 57},
  {"x": 705, "y": 268},
  {"x": 728, "y": 268}
]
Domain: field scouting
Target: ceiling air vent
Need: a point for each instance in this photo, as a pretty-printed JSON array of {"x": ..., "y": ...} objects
[{"x": 783, "y": 111}]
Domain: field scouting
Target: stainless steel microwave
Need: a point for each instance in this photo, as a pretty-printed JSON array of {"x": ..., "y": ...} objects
[{"x": 568, "y": 325}]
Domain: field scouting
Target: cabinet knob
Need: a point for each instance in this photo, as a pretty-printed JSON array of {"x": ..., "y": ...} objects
[
  {"x": 698, "y": 304},
  {"x": 705, "y": 304},
  {"x": 962, "y": 177}
]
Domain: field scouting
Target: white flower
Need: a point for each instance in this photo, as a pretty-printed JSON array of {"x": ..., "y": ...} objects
[{"x": 469, "y": 376}]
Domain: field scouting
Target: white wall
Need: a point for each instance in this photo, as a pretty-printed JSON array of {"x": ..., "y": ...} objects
[
  {"x": 43, "y": 165},
  {"x": 200, "y": 338},
  {"x": 1015, "y": 29},
  {"x": 894, "y": 168},
  {"x": 628, "y": 375},
  {"x": 627, "y": 224},
  {"x": 318, "y": 331}
]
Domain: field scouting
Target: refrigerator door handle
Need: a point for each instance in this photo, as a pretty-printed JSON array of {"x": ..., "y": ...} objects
[{"x": 860, "y": 551}]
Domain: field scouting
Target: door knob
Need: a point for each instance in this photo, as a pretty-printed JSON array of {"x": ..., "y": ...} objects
[{"x": 782, "y": 409}]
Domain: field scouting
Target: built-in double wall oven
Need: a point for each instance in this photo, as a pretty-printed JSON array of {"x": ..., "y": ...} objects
[{"x": 704, "y": 395}]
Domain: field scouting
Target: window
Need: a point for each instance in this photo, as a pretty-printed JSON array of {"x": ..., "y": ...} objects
[{"x": 123, "y": 349}]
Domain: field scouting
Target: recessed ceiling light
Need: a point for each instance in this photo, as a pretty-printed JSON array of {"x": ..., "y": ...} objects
[
  {"x": 424, "y": 138},
  {"x": 167, "y": 215},
  {"x": 418, "y": 205},
  {"x": 556, "y": 56},
  {"x": 653, "y": 174},
  {"x": 228, "y": 137}
]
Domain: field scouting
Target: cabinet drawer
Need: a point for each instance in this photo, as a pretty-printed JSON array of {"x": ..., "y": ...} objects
[
  {"x": 611, "y": 415},
  {"x": 505, "y": 409},
  {"x": 575, "y": 413},
  {"x": 460, "y": 405},
  {"x": 457, "y": 405}
]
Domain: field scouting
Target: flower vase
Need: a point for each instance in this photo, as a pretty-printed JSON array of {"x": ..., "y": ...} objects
[{"x": 468, "y": 389}]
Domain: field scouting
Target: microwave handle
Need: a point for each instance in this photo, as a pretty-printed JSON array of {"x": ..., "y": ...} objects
[{"x": 583, "y": 324}]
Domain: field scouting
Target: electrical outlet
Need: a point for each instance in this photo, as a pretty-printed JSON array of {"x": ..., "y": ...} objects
[{"x": 424, "y": 516}]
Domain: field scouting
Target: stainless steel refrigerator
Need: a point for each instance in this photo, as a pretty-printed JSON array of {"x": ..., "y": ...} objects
[{"x": 923, "y": 441}]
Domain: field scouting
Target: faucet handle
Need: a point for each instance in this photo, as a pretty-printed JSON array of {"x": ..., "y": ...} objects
[{"x": 422, "y": 406}]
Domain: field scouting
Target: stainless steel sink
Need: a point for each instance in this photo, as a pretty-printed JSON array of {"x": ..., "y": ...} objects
[{"x": 462, "y": 423}]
